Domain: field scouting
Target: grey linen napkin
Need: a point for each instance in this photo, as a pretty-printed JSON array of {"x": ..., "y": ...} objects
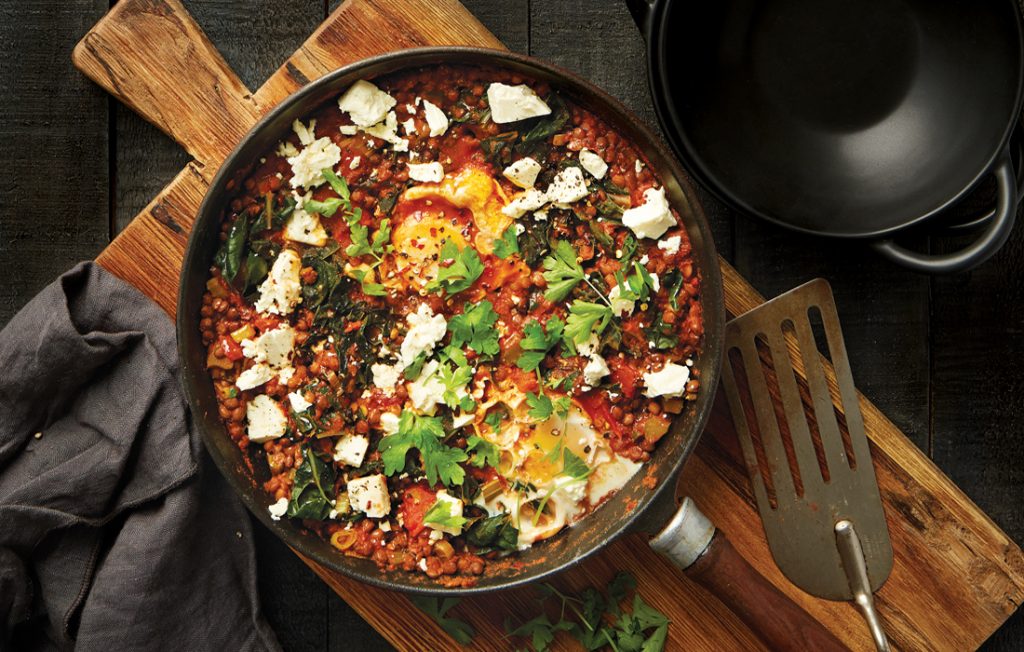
[{"x": 116, "y": 531}]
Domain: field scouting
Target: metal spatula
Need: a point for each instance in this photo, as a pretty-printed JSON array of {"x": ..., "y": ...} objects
[{"x": 808, "y": 460}]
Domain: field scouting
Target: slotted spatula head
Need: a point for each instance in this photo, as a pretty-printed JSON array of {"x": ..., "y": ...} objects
[{"x": 803, "y": 441}]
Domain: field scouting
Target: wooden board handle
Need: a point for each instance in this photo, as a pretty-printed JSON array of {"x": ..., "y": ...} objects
[
  {"x": 152, "y": 56},
  {"x": 776, "y": 619}
]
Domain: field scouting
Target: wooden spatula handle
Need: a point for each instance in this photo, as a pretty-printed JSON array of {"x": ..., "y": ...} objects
[
  {"x": 776, "y": 619},
  {"x": 175, "y": 78}
]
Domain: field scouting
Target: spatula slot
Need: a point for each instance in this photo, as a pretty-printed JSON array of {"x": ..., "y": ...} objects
[
  {"x": 757, "y": 461},
  {"x": 797, "y": 363},
  {"x": 823, "y": 341},
  {"x": 764, "y": 352}
]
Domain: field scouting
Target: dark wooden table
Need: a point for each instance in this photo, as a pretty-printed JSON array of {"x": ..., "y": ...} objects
[{"x": 942, "y": 357}]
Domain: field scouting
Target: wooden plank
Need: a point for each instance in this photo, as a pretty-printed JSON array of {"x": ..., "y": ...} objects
[
  {"x": 54, "y": 196},
  {"x": 956, "y": 576}
]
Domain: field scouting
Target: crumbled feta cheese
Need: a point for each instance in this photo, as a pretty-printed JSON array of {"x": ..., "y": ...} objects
[
  {"x": 540, "y": 216},
  {"x": 422, "y": 563},
  {"x": 523, "y": 172},
  {"x": 298, "y": 402},
  {"x": 385, "y": 526},
  {"x": 266, "y": 420},
  {"x": 354, "y": 163},
  {"x": 595, "y": 369},
  {"x": 409, "y": 126},
  {"x": 286, "y": 149},
  {"x": 655, "y": 282},
  {"x": 425, "y": 330},
  {"x": 427, "y": 391},
  {"x": 593, "y": 163},
  {"x": 285, "y": 375},
  {"x": 638, "y": 166},
  {"x": 462, "y": 419},
  {"x": 620, "y": 306},
  {"x": 304, "y": 226},
  {"x": 254, "y": 376},
  {"x": 351, "y": 449},
  {"x": 306, "y": 134},
  {"x": 670, "y": 381},
  {"x": 369, "y": 494},
  {"x": 652, "y": 218},
  {"x": 436, "y": 119},
  {"x": 568, "y": 186},
  {"x": 645, "y": 259},
  {"x": 670, "y": 245},
  {"x": 520, "y": 230},
  {"x": 282, "y": 290},
  {"x": 385, "y": 376},
  {"x": 428, "y": 172},
  {"x": 308, "y": 165},
  {"x": 388, "y": 132},
  {"x": 365, "y": 103},
  {"x": 278, "y": 509},
  {"x": 514, "y": 103},
  {"x": 389, "y": 423},
  {"x": 273, "y": 347},
  {"x": 348, "y": 130},
  {"x": 524, "y": 202},
  {"x": 455, "y": 507}
]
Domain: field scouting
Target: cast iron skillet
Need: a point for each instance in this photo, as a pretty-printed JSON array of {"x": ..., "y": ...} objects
[
  {"x": 634, "y": 507},
  {"x": 845, "y": 119}
]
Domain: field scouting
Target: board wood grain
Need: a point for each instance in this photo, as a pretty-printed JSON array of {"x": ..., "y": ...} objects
[{"x": 956, "y": 576}]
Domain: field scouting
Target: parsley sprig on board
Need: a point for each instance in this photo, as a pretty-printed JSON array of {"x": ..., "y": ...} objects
[
  {"x": 437, "y": 608},
  {"x": 425, "y": 434}
]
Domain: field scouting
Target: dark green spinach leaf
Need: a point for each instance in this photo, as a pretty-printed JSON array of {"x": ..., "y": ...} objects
[{"x": 313, "y": 488}]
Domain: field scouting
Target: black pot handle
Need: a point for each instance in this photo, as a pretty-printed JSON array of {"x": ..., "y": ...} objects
[
  {"x": 982, "y": 249},
  {"x": 642, "y": 11}
]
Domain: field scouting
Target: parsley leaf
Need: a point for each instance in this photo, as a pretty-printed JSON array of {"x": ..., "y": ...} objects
[
  {"x": 338, "y": 185},
  {"x": 326, "y": 208},
  {"x": 574, "y": 466},
  {"x": 542, "y": 407},
  {"x": 536, "y": 342},
  {"x": 453, "y": 380},
  {"x": 458, "y": 270},
  {"x": 425, "y": 434},
  {"x": 446, "y": 514},
  {"x": 484, "y": 452},
  {"x": 475, "y": 328},
  {"x": 361, "y": 243},
  {"x": 563, "y": 272},
  {"x": 368, "y": 286},
  {"x": 495, "y": 418},
  {"x": 584, "y": 319},
  {"x": 507, "y": 244},
  {"x": 436, "y": 608}
]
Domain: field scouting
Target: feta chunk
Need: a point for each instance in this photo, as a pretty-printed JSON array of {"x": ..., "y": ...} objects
[
  {"x": 278, "y": 509},
  {"x": 351, "y": 449},
  {"x": 366, "y": 104},
  {"x": 462, "y": 419},
  {"x": 388, "y": 132},
  {"x": 306, "y": 134},
  {"x": 568, "y": 186},
  {"x": 304, "y": 226},
  {"x": 525, "y": 202},
  {"x": 308, "y": 164},
  {"x": 425, "y": 330},
  {"x": 652, "y": 218},
  {"x": 385, "y": 376},
  {"x": 348, "y": 130},
  {"x": 282, "y": 290},
  {"x": 273, "y": 347},
  {"x": 389, "y": 423},
  {"x": 265, "y": 418},
  {"x": 427, "y": 391},
  {"x": 514, "y": 103},
  {"x": 523, "y": 172},
  {"x": 409, "y": 126},
  {"x": 427, "y": 172},
  {"x": 454, "y": 507},
  {"x": 593, "y": 164},
  {"x": 670, "y": 381},
  {"x": 298, "y": 402},
  {"x": 254, "y": 376},
  {"x": 370, "y": 495},
  {"x": 437, "y": 121},
  {"x": 286, "y": 149},
  {"x": 355, "y": 162},
  {"x": 670, "y": 245},
  {"x": 620, "y": 306},
  {"x": 595, "y": 369}
]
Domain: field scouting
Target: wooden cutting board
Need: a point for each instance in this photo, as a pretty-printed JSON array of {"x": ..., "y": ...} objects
[{"x": 957, "y": 577}]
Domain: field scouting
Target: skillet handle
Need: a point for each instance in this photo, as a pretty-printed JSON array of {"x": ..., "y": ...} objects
[
  {"x": 982, "y": 249},
  {"x": 691, "y": 542},
  {"x": 642, "y": 11}
]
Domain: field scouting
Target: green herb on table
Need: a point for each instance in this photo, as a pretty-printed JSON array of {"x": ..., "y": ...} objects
[{"x": 437, "y": 608}]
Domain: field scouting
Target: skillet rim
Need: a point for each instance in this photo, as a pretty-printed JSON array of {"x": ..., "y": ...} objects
[{"x": 195, "y": 381}]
